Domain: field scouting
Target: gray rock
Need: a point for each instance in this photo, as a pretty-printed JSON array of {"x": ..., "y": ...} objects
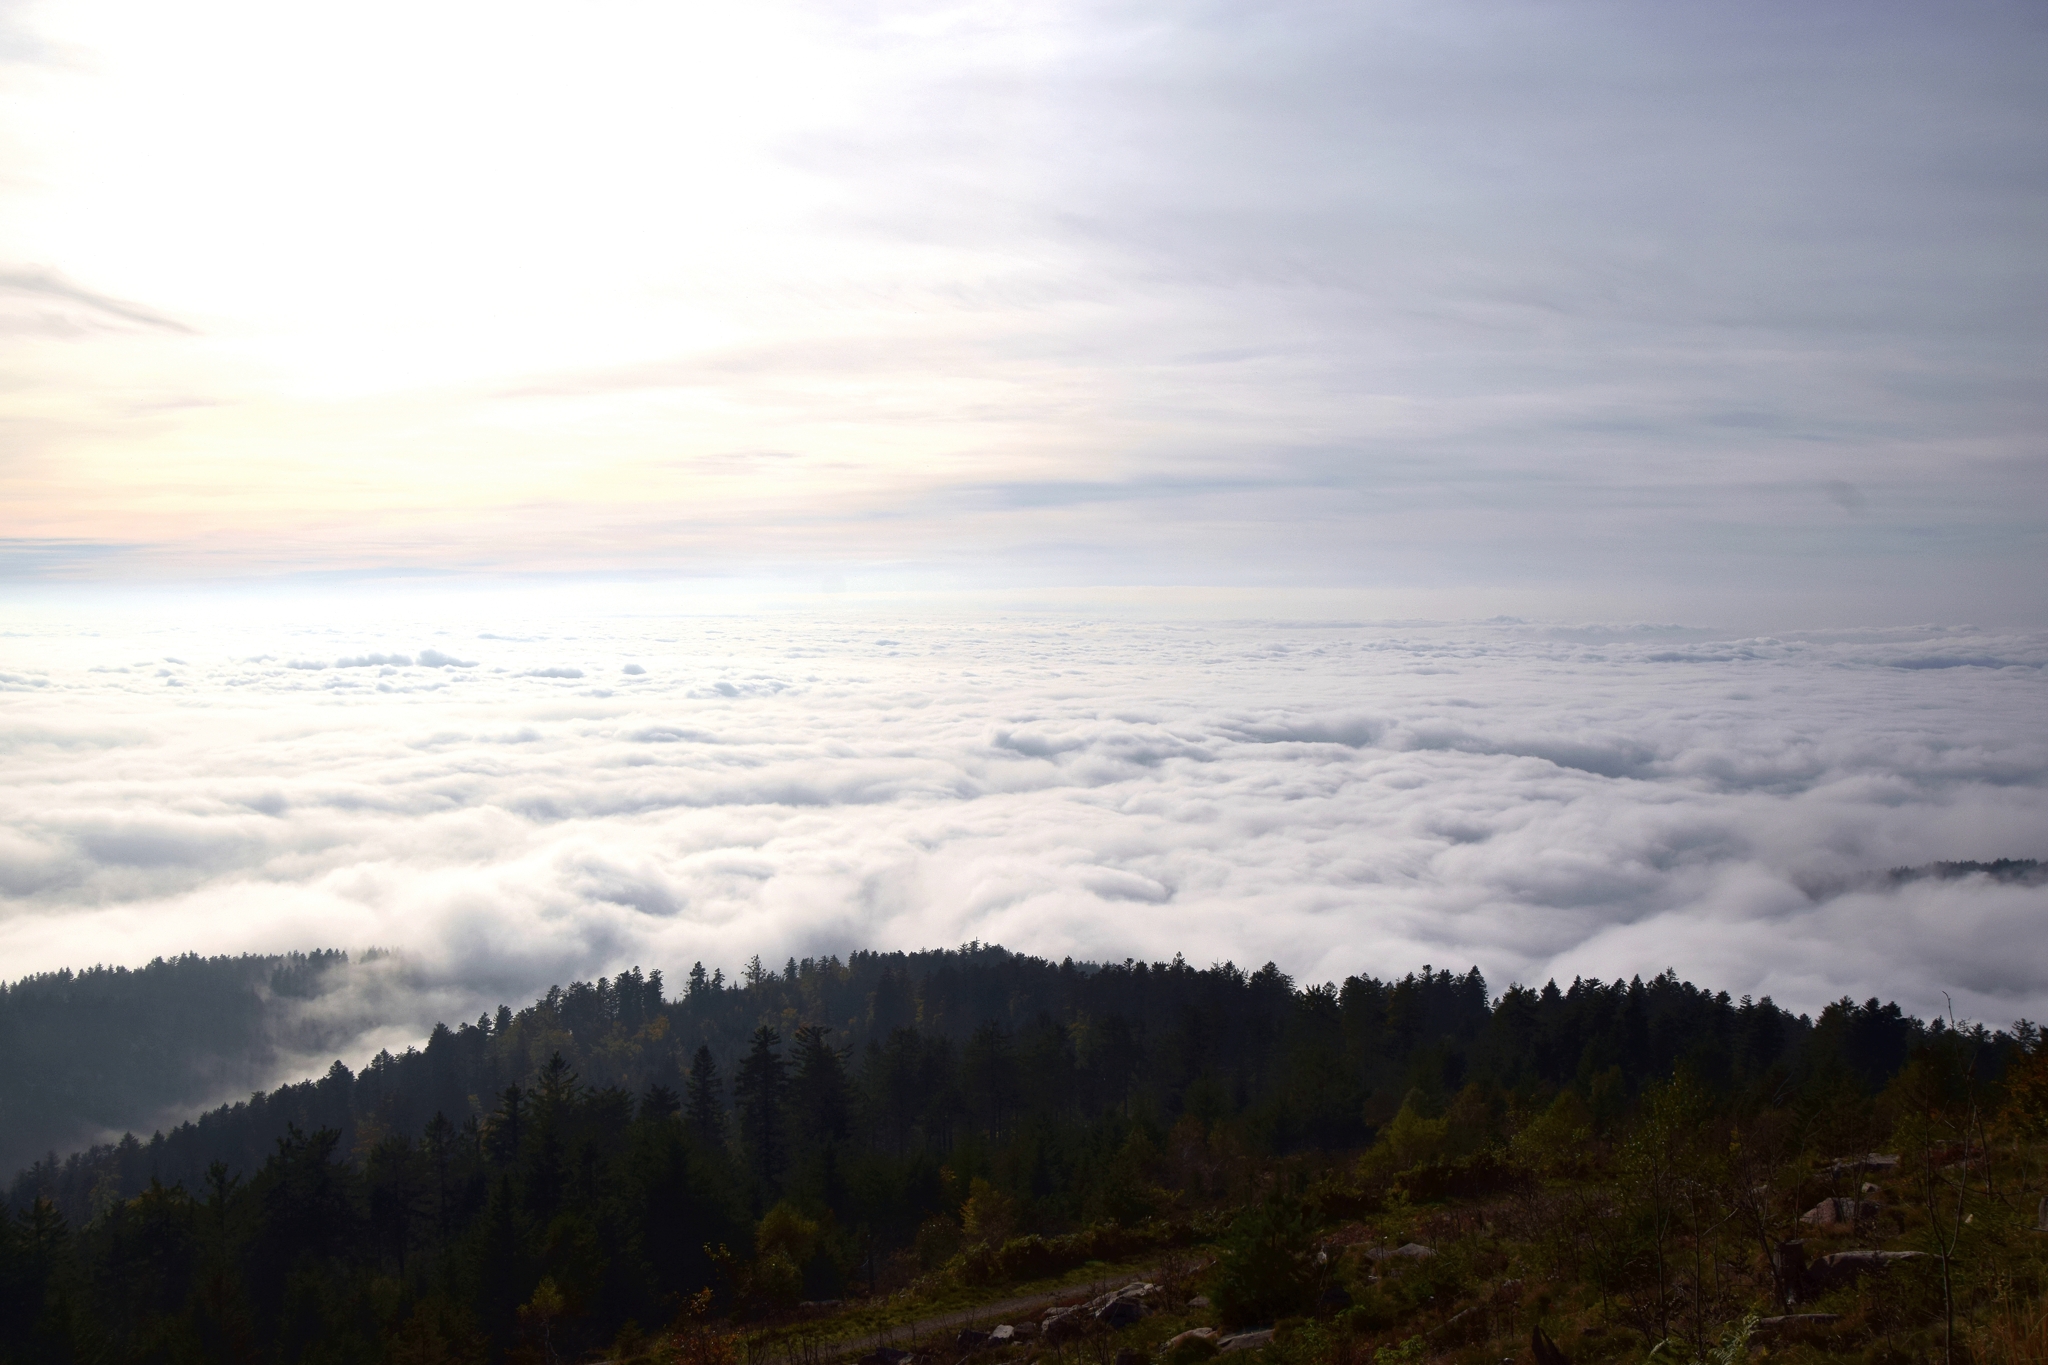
[
  {"x": 1060, "y": 1323},
  {"x": 1002, "y": 1335},
  {"x": 1407, "y": 1251},
  {"x": 1835, "y": 1213},
  {"x": 1246, "y": 1341},
  {"x": 1202, "y": 1300},
  {"x": 1193, "y": 1334},
  {"x": 1120, "y": 1313}
]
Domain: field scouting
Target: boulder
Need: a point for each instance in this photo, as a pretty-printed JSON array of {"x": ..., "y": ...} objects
[
  {"x": 1120, "y": 1313},
  {"x": 1201, "y": 1301},
  {"x": 1060, "y": 1323},
  {"x": 1002, "y": 1335},
  {"x": 1407, "y": 1251},
  {"x": 1246, "y": 1341},
  {"x": 1855, "y": 1165},
  {"x": 1837, "y": 1213},
  {"x": 1193, "y": 1334}
]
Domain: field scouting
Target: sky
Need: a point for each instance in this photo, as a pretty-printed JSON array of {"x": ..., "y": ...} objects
[
  {"x": 1556, "y": 487},
  {"x": 1727, "y": 313}
]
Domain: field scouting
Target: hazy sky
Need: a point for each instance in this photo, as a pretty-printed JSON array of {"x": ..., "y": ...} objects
[{"x": 1707, "y": 312}]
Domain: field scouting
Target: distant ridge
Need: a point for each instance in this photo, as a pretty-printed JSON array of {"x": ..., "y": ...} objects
[{"x": 2012, "y": 871}]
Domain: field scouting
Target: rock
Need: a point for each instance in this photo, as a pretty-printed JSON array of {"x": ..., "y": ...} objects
[
  {"x": 1246, "y": 1341},
  {"x": 1871, "y": 1190},
  {"x": 1855, "y": 1165},
  {"x": 1202, "y": 1300},
  {"x": 1193, "y": 1334},
  {"x": 1844, "y": 1266},
  {"x": 1407, "y": 1251},
  {"x": 2041, "y": 1217},
  {"x": 1025, "y": 1330},
  {"x": 1120, "y": 1313},
  {"x": 1060, "y": 1323},
  {"x": 1836, "y": 1213},
  {"x": 1002, "y": 1335},
  {"x": 1795, "y": 1321},
  {"x": 970, "y": 1340}
]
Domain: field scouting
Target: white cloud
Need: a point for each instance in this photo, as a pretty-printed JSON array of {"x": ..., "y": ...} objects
[{"x": 1339, "y": 798}]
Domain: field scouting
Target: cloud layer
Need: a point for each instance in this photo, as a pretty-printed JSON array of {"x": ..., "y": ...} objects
[{"x": 515, "y": 805}]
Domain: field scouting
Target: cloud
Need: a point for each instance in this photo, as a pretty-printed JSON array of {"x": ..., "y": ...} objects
[
  {"x": 44, "y": 283},
  {"x": 1340, "y": 798},
  {"x": 1583, "y": 308}
]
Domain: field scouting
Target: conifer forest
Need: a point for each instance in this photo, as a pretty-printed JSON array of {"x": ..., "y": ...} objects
[{"x": 811, "y": 1162}]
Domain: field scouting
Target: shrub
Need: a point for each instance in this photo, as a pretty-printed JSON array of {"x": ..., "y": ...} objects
[
  {"x": 1472, "y": 1177},
  {"x": 1267, "y": 1269}
]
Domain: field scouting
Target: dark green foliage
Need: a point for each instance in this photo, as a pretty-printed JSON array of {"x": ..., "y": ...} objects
[
  {"x": 1473, "y": 1177},
  {"x": 1267, "y": 1268},
  {"x": 501, "y": 1188}
]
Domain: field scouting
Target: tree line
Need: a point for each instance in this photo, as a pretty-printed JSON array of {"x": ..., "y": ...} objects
[{"x": 612, "y": 1153}]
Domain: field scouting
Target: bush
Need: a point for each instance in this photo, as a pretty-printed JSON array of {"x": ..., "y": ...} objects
[
  {"x": 1472, "y": 1177},
  {"x": 1035, "y": 1258},
  {"x": 1267, "y": 1269}
]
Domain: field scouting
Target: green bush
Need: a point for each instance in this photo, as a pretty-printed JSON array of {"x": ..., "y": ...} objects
[
  {"x": 1034, "y": 1257},
  {"x": 1267, "y": 1268},
  {"x": 1472, "y": 1177}
]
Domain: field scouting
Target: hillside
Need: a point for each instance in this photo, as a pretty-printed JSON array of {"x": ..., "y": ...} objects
[{"x": 972, "y": 1117}]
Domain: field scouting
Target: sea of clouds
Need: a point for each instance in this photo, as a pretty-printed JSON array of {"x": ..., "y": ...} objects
[{"x": 511, "y": 805}]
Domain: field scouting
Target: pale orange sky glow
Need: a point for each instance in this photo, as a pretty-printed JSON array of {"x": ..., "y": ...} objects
[{"x": 1591, "y": 310}]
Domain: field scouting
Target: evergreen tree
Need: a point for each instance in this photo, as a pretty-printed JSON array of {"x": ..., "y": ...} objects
[
  {"x": 758, "y": 1089},
  {"x": 706, "y": 1113}
]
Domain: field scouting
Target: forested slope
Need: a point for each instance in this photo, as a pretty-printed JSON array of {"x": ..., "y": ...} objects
[
  {"x": 608, "y": 1152},
  {"x": 92, "y": 1050},
  {"x": 945, "y": 1043}
]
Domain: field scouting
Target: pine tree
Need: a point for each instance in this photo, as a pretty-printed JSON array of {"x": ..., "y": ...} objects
[
  {"x": 759, "y": 1087},
  {"x": 706, "y": 1113}
]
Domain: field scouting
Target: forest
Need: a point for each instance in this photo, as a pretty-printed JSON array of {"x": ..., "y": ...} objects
[{"x": 584, "y": 1174}]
